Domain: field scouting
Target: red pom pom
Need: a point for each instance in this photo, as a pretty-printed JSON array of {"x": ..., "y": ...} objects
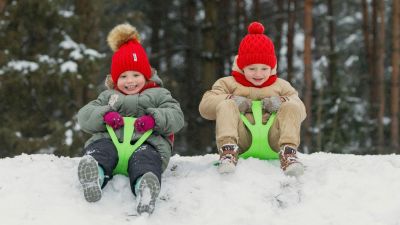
[{"x": 256, "y": 28}]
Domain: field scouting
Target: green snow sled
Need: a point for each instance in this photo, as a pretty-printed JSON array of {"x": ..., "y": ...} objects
[
  {"x": 126, "y": 149},
  {"x": 259, "y": 147}
]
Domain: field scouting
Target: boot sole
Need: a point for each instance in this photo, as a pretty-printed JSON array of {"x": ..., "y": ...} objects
[
  {"x": 149, "y": 188},
  {"x": 88, "y": 174},
  {"x": 226, "y": 167},
  {"x": 295, "y": 170}
]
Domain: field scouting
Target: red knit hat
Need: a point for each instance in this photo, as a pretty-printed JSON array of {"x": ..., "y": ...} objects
[
  {"x": 256, "y": 48},
  {"x": 128, "y": 52}
]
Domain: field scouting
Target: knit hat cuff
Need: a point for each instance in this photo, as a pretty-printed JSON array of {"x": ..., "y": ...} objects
[
  {"x": 248, "y": 59},
  {"x": 130, "y": 57},
  {"x": 123, "y": 66}
]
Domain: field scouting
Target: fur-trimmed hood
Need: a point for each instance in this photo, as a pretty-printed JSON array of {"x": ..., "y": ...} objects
[{"x": 154, "y": 77}]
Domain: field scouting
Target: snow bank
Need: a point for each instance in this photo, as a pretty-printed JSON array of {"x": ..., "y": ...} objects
[{"x": 335, "y": 189}]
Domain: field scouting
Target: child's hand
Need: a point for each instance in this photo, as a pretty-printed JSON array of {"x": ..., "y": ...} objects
[
  {"x": 271, "y": 104},
  {"x": 244, "y": 104},
  {"x": 113, "y": 119},
  {"x": 144, "y": 123}
]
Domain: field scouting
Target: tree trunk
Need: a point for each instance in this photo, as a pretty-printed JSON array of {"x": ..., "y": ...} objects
[
  {"x": 87, "y": 11},
  {"x": 167, "y": 47},
  {"x": 331, "y": 88},
  {"x": 367, "y": 36},
  {"x": 256, "y": 10},
  {"x": 191, "y": 82},
  {"x": 319, "y": 145},
  {"x": 308, "y": 28},
  {"x": 394, "y": 131},
  {"x": 380, "y": 72},
  {"x": 2, "y": 5},
  {"x": 332, "y": 46},
  {"x": 224, "y": 41},
  {"x": 209, "y": 38},
  {"x": 240, "y": 21},
  {"x": 155, "y": 24},
  {"x": 279, "y": 29},
  {"x": 374, "y": 105},
  {"x": 290, "y": 36}
]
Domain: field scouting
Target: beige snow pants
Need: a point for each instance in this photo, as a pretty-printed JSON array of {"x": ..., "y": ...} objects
[{"x": 230, "y": 128}]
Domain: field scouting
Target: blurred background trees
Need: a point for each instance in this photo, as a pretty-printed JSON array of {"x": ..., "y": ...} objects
[{"x": 342, "y": 57}]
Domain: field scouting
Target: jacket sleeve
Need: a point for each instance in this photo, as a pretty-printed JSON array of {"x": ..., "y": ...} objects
[
  {"x": 208, "y": 104},
  {"x": 90, "y": 116},
  {"x": 292, "y": 96},
  {"x": 167, "y": 115}
]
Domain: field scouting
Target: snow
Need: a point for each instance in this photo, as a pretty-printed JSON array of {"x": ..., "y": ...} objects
[
  {"x": 68, "y": 43},
  {"x": 68, "y": 137},
  {"x": 350, "y": 39},
  {"x": 351, "y": 60},
  {"x": 177, "y": 60},
  {"x": 299, "y": 41},
  {"x": 69, "y": 66},
  {"x": 335, "y": 189},
  {"x": 346, "y": 20},
  {"x": 46, "y": 59},
  {"x": 65, "y": 13},
  {"x": 23, "y": 66},
  {"x": 78, "y": 51},
  {"x": 319, "y": 77}
]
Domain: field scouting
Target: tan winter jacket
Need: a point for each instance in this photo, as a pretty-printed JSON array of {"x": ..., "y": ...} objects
[
  {"x": 227, "y": 86},
  {"x": 229, "y": 127}
]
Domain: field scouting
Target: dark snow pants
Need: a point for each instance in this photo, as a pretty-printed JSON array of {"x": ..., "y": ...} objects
[{"x": 145, "y": 159}]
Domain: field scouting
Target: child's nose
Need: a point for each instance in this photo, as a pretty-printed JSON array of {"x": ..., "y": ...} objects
[
  {"x": 129, "y": 79},
  {"x": 259, "y": 73}
]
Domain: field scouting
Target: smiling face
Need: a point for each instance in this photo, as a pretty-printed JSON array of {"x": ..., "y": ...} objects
[
  {"x": 131, "y": 82},
  {"x": 257, "y": 74}
]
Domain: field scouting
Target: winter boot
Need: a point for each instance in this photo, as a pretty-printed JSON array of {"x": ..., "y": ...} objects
[
  {"x": 228, "y": 158},
  {"x": 289, "y": 161},
  {"x": 147, "y": 189},
  {"x": 91, "y": 177}
]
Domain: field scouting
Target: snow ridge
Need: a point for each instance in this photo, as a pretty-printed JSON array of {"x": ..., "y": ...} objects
[{"x": 335, "y": 189}]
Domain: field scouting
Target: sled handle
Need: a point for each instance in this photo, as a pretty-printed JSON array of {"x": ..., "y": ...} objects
[
  {"x": 259, "y": 147},
  {"x": 126, "y": 149}
]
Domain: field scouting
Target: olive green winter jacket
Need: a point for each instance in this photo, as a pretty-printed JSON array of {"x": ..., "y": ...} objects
[{"x": 157, "y": 102}]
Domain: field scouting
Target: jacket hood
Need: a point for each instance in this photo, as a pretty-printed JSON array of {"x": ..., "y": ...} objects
[{"x": 154, "y": 77}]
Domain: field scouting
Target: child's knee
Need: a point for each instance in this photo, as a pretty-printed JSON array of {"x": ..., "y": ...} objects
[
  {"x": 227, "y": 105},
  {"x": 105, "y": 153},
  {"x": 290, "y": 107}
]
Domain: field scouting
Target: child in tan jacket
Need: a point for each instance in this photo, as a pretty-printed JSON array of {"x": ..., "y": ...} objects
[{"x": 254, "y": 78}]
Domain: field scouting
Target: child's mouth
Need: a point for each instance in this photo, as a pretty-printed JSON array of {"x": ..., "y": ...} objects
[{"x": 130, "y": 87}]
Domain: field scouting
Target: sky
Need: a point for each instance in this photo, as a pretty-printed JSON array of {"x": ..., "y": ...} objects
[{"x": 335, "y": 189}]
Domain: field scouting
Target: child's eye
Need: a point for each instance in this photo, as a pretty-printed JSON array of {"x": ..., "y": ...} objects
[{"x": 123, "y": 76}]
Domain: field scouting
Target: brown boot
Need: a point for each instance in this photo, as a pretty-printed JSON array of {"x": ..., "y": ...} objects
[
  {"x": 228, "y": 158},
  {"x": 289, "y": 161}
]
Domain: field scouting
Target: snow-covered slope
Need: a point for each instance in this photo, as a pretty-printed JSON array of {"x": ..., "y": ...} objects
[{"x": 336, "y": 189}]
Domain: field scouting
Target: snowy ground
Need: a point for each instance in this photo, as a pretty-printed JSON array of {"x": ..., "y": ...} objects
[{"x": 335, "y": 190}]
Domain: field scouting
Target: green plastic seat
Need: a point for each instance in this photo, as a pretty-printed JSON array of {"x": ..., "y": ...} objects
[
  {"x": 126, "y": 149},
  {"x": 259, "y": 147}
]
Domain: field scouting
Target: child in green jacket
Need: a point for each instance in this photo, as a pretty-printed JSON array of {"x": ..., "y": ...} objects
[{"x": 134, "y": 90}]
